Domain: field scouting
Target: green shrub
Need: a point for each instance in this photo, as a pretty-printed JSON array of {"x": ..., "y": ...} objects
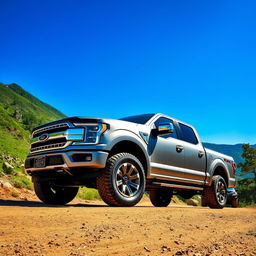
[
  {"x": 21, "y": 182},
  {"x": 198, "y": 198},
  {"x": 88, "y": 194}
]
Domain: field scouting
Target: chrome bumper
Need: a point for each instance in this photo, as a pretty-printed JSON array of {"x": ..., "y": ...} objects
[{"x": 98, "y": 160}]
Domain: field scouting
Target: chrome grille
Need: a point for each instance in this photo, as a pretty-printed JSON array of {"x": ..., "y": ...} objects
[
  {"x": 50, "y": 128},
  {"x": 55, "y": 142},
  {"x": 50, "y": 146}
]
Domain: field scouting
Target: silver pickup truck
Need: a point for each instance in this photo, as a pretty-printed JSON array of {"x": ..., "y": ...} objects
[{"x": 123, "y": 158}]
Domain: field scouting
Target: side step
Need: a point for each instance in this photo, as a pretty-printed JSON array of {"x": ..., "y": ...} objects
[{"x": 176, "y": 186}]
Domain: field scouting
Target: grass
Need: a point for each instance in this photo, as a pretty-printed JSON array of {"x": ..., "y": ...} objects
[
  {"x": 88, "y": 194},
  {"x": 20, "y": 112},
  {"x": 21, "y": 182}
]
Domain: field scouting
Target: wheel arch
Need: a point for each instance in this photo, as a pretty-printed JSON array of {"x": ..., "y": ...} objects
[
  {"x": 220, "y": 169},
  {"x": 133, "y": 148}
]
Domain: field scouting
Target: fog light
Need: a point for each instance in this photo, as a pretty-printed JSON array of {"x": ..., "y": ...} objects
[{"x": 82, "y": 157}]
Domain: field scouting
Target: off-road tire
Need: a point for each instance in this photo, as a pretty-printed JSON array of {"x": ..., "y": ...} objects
[
  {"x": 161, "y": 197},
  {"x": 234, "y": 202},
  {"x": 213, "y": 199},
  {"x": 51, "y": 194},
  {"x": 108, "y": 188}
]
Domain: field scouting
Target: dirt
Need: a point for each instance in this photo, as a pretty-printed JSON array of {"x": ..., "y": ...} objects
[
  {"x": 92, "y": 228},
  {"x": 13, "y": 193}
]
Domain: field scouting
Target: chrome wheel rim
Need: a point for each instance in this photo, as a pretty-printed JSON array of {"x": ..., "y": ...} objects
[
  {"x": 127, "y": 180},
  {"x": 221, "y": 192}
]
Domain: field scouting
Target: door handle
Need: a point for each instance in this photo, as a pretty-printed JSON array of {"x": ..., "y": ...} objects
[
  {"x": 200, "y": 154},
  {"x": 179, "y": 148}
]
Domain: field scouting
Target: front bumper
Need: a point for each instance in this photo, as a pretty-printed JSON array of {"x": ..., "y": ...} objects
[{"x": 65, "y": 160}]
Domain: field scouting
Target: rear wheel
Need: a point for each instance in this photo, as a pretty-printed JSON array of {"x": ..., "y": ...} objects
[
  {"x": 216, "y": 194},
  {"x": 161, "y": 198},
  {"x": 52, "y": 194},
  {"x": 123, "y": 181}
]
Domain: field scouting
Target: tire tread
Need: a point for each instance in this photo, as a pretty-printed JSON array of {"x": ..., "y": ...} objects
[{"x": 106, "y": 191}]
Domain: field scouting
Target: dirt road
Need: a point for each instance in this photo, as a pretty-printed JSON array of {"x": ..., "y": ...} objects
[{"x": 91, "y": 228}]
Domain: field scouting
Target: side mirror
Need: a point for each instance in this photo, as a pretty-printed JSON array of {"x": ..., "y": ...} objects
[{"x": 164, "y": 128}]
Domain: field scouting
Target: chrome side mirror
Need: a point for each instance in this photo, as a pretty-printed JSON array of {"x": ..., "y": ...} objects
[{"x": 164, "y": 128}]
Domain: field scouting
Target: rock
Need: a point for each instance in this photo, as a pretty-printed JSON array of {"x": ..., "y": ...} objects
[
  {"x": 165, "y": 248},
  {"x": 17, "y": 115},
  {"x": 5, "y": 184},
  {"x": 8, "y": 169},
  {"x": 146, "y": 249},
  {"x": 192, "y": 202}
]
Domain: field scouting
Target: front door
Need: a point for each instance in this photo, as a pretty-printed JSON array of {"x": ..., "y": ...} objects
[{"x": 166, "y": 154}]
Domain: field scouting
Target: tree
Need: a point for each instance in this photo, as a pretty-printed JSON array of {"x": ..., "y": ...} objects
[
  {"x": 247, "y": 186},
  {"x": 249, "y": 165}
]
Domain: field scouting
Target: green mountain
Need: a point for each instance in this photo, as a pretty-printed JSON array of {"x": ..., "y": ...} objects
[{"x": 20, "y": 112}]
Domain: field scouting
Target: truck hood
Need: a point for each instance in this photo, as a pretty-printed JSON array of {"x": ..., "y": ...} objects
[{"x": 76, "y": 119}]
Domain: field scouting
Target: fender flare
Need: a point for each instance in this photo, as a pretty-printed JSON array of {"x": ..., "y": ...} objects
[
  {"x": 218, "y": 163},
  {"x": 123, "y": 135}
]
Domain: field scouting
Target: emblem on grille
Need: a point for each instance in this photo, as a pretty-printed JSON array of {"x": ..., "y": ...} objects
[{"x": 44, "y": 137}]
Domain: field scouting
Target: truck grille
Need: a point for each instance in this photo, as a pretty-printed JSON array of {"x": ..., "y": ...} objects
[
  {"x": 56, "y": 138},
  {"x": 50, "y": 129}
]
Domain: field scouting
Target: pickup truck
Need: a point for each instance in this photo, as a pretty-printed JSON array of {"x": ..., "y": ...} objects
[{"x": 124, "y": 158}]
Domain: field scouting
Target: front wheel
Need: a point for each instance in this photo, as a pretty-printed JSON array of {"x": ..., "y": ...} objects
[
  {"x": 216, "y": 194},
  {"x": 161, "y": 198},
  {"x": 52, "y": 194},
  {"x": 123, "y": 181}
]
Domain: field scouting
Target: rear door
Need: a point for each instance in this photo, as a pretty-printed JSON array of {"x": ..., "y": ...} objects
[{"x": 194, "y": 153}]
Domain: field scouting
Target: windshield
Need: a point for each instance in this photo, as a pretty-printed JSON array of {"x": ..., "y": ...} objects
[{"x": 138, "y": 119}]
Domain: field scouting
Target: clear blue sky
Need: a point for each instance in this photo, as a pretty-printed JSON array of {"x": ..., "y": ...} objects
[{"x": 193, "y": 60}]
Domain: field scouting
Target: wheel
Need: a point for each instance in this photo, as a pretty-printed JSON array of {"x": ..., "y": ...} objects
[
  {"x": 123, "y": 181},
  {"x": 52, "y": 194},
  {"x": 234, "y": 202},
  {"x": 216, "y": 194},
  {"x": 161, "y": 198}
]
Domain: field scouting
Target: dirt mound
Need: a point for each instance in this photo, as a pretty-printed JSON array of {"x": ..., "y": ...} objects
[{"x": 10, "y": 192}]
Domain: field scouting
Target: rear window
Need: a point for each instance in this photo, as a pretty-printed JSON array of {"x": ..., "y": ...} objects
[{"x": 188, "y": 134}]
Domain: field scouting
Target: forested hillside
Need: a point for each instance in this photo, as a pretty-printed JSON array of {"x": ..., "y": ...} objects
[{"x": 19, "y": 113}]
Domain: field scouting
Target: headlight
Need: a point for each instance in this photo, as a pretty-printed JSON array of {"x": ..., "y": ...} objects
[{"x": 93, "y": 133}]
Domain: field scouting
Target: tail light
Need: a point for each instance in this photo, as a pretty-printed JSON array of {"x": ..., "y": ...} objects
[{"x": 234, "y": 167}]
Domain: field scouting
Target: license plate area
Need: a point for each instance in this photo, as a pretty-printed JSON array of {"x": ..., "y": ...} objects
[{"x": 40, "y": 162}]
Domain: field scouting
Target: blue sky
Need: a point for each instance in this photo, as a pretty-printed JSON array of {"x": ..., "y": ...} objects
[{"x": 193, "y": 60}]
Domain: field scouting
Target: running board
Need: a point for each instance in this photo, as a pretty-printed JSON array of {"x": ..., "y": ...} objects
[{"x": 176, "y": 186}]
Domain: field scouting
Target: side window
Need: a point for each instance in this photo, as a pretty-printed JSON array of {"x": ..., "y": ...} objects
[
  {"x": 188, "y": 134},
  {"x": 163, "y": 120}
]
